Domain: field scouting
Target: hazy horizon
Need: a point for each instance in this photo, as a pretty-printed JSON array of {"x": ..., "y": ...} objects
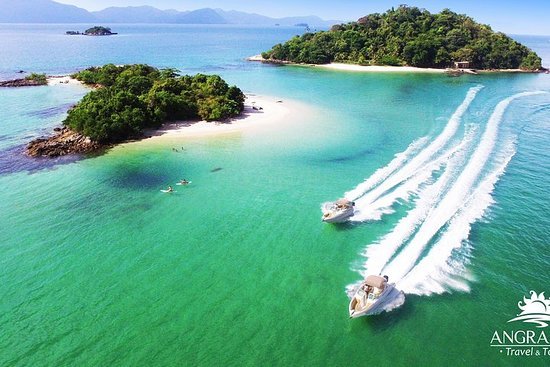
[{"x": 527, "y": 17}]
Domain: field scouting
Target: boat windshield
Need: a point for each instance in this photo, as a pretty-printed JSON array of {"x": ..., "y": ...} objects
[{"x": 371, "y": 296}]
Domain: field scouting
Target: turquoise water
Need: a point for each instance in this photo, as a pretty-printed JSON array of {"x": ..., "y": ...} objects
[{"x": 100, "y": 268}]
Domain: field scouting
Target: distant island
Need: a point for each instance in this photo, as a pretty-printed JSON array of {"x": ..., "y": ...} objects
[
  {"x": 48, "y": 11},
  {"x": 409, "y": 36},
  {"x": 128, "y": 99},
  {"x": 31, "y": 80},
  {"x": 94, "y": 31}
]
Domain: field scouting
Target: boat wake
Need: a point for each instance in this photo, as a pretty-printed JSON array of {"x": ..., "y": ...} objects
[
  {"x": 374, "y": 197},
  {"x": 449, "y": 184}
]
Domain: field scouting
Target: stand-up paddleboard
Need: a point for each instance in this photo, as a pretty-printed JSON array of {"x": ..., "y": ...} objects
[
  {"x": 167, "y": 191},
  {"x": 183, "y": 184}
]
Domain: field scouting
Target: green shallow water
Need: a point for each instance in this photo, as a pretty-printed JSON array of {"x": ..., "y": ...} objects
[{"x": 98, "y": 267}]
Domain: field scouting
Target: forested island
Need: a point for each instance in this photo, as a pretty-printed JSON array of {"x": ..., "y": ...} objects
[
  {"x": 409, "y": 36},
  {"x": 94, "y": 31},
  {"x": 128, "y": 99}
]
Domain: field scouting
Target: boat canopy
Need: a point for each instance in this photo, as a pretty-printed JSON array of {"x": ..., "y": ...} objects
[
  {"x": 343, "y": 202},
  {"x": 376, "y": 281}
]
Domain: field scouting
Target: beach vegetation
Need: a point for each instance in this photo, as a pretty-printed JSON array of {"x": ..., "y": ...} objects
[
  {"x": 39, "y": 79},
  {"x": 130, "y": 98},
  {"x": 409, "y": 36}
]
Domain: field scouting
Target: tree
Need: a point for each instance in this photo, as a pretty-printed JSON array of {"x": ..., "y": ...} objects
[
  {"x": 40, "y": 79},
  {"x": 531, "y": 62},
  {"x": 407, "y": 35},
  {"x": 132, "y": 98}
]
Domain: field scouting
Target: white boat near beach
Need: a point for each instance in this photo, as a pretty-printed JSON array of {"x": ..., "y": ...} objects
[
  {"x": 373, "y": 296},
  {"x": 337, "y": 211}
]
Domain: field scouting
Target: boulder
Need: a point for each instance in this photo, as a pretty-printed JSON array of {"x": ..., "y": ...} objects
[{"x": 63, "y": 142}]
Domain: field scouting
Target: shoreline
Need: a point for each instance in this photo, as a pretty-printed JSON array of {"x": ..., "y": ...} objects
[
  {"x": 259, "y": 111},
  {"x": 379, "y": 68},
  {"x": 352, "y": 67},
  {"x": 390, "y": 69},
  {"x": 51, "y": 80},
  {"x": 63, "y": 79}
]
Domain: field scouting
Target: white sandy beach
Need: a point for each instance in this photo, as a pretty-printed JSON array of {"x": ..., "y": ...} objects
[
  {"x": 63, "y": 79},
  {"x": 379, "y": 69},
  {"x": 360, "y": 68},
  {"x": 259, "y": 111}
]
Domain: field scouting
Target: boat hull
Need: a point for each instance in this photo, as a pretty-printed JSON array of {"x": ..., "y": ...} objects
[
  {"x": 338, "y": 218},
  {"x": 390, "y": 298},
  {"x": 330, "y": 215}
]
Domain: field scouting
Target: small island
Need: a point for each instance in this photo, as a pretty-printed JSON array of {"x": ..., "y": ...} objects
[
  {"x": 127, "y": 100},
  {"x": 94, "y": 31},
  {"x": 32, "y": 80},
  {"x": 409, "y": 36}
]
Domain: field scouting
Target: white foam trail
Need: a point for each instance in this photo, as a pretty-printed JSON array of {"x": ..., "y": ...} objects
[
  {"x": 455, "y": 197},
  {"x": 381, "y": 173},
  {"x": 379, "y": 254},
  {"x": 411, "y": 167},
  {"x": 435, "y": 273},
  {"x": 382, "y": 205}
]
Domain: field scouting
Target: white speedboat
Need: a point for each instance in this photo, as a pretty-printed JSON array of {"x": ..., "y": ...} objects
[
  {"x": 337, "y": 211},
  {"x": 373, "y": 296}
]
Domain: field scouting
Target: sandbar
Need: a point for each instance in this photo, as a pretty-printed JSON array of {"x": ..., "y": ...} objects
[{"x": 259, "y": 111}]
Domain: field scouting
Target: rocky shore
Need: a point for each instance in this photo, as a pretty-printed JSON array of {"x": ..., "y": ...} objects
[
  {"x": 63, "y": 142},
  {"x": 20, "y": 83}
]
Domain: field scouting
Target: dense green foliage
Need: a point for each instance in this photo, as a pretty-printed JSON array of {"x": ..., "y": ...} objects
[
  {"x": 98, "y": 31},
  {"x": 409, "y": 36},
  {"x": 38, "y": 78},
  {"x": 131, "y": 98}
]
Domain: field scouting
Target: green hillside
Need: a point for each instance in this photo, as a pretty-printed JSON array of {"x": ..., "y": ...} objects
[{"x": 409, "y": 36}]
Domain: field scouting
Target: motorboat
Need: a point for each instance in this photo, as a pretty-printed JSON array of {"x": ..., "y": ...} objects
[
  {"x": 373, "y": 296},
  {"x": 337, "y": 211}
]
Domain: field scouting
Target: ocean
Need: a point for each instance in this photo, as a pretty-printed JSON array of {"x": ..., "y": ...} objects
[{"x": 449, "y": 175}]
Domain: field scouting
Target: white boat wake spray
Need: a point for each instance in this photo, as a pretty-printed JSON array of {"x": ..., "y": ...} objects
[{"x": 418, "y": 253}]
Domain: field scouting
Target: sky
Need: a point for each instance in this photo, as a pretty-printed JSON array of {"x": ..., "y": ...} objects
[{"x": 508, "y": 16}]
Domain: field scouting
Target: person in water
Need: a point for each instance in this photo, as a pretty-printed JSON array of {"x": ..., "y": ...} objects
[
  {"x": 184, "y": 182},
  {"x": 170, "y": 189}
]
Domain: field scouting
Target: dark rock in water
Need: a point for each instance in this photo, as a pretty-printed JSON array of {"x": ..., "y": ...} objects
[
  {"x": 64, "y": 142},
  {"x": 20, "y": 83},
  {"x": 21, "y": 71},
  {"x": 216, "y": 169}
]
